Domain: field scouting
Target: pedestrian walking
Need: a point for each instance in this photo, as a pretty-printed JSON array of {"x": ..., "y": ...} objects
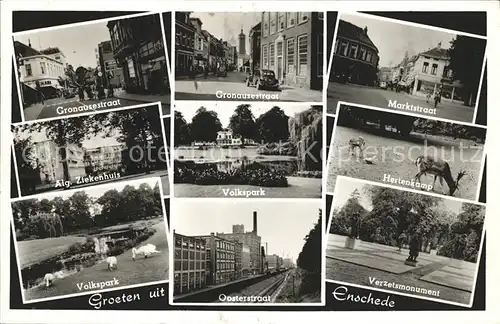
[
  {"x": 437, "y": 96},
  {"x": 39, "y": 92}
]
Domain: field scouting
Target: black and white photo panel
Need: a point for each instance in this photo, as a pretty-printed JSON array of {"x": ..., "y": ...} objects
[
  {"x": 249, "y": 56},
  {"x": 407, "y": 151},
  {"x": 241, "y": 254},
  {"x": 115, "y": 63},
  {"x": 95, "y": 239},
  {"x": 404, "y": 242},
  {"x": 248, "y": 149},
  {"x": 406, "y": 66},
  {"x": 85, "y": 150}
]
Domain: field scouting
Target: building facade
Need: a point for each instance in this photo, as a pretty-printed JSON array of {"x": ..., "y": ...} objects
[
  {"x": 252, "y": 241},
  {"x": 105, "y": 158},
  {"x": 431, "y": 71},
  {"x": 49, "y": 161},
  {"x": 355, "y": 57},
  {"x": 292, "y": 46},
  {"x": 109, "y": 65},
  {"x": 245, "y": 260},
  {"x": 184, "y": 43},
  {"x": 138, "y": 48},
  {"x": 254, "y": 37},
  {"x": 222, "y": 266},
  {"x": 190, "y": 263},
  {"x": 200, "y": 51},
  {"x": 238, "y": 262}
]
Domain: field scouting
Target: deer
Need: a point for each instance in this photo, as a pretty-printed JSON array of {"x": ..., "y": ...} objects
[
  {"x": 439, "y": 168},
  {"x": 357, "y": 142}
]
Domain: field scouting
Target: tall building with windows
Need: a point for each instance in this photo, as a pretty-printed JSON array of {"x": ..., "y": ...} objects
[
  {"x": 138, "y": 48},
  {"x": 355, "y": 58},
  {"x": 254, "y": 37},
  {"x": 184, "y": 43},
  {"x": 292, "y": 46},
  {"x": 108, "y": 64},
  {"x": 190, "y": 263},
  {"x": 221, "y": 259}
]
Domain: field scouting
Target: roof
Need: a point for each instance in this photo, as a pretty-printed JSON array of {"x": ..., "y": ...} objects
[
  {"x": 437, "y": 52},
  {"x": 351, "y": 31},
  {"x": 51, "y": 50}
]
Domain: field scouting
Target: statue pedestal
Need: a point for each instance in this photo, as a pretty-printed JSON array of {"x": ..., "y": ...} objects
[
  {"x": 351, "y": 243},
  {"x": 411, "y": 263},
  {"x": 433, "y": 252}
]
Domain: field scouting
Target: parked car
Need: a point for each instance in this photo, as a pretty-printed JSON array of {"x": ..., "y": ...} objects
[
  {"x": 262, "y": 79},
  {"x": 383, "y": 85}
]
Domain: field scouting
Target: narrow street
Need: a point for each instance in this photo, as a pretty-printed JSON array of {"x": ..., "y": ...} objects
[
  {"x": 234, "y": 83},
  {"x": 380, "y": 98}
]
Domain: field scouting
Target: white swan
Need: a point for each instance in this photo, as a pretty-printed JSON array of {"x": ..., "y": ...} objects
[
  {"x": 112, "y": 263},
  {"x": 49, "y": 277},
  {"x": 146, "y": 250}
]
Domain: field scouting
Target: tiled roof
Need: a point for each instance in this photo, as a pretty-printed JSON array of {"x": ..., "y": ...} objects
[
  {"x": 437, "y": 52},
  {"x": 351, "y": 31}
]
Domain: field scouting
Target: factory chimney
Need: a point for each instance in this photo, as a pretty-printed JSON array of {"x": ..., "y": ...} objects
[
  {"x": 255, "y": 222},
  {"x": 267, "y": 251}
]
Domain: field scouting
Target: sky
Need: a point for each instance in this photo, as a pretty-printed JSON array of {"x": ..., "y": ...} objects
[
  {"x": 283, "y": 225},
  {"x": 393, "y": 39},
  {"x": 96, "y": 141},
  {"x": 77, "y": 43},
  {"x": 225, "y": 109},
  {"x": 349, "y": 185},
  {"x": 228, "y": 25}
]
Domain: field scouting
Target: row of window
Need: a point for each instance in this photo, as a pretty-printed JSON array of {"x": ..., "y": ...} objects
[
  {"x": 199, "y": 245},
  {"x": 182, "y": 39},
  {"x": 46, "y": 68},
  {"x": 225, "y": 265},
  {"x": 225, "y": 245},
  {"x": 190, "y": 279},
  {"x": 296, "y": 56},
  {"x": 225, "y": 255},
  {"x": 434, "y": 70},
  {"x": 185, "y": 265},
  {"x": 356, "y": 51},
  {"x": 277, "y": 21}
]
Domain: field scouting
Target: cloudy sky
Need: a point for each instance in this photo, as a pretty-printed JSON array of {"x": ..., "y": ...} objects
[
  {"x": 349, "y": 185},
  {"x": 393, "y": 39},
  {"x": 282, "y": 225},
  {"x": 225, "y": 109},
  {"x": 228, "y": 25}
]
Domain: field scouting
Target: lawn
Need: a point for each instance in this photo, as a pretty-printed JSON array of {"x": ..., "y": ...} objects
[
  {"x": 298, "y": 187},
  {"x": 396, "y": 157},
  {"x": 34, "y": 251},
  {"x": 129, "y": 272}
]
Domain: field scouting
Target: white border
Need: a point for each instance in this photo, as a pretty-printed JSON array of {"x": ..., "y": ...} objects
[
  {"x": 396, "y": 292},
  {"x": 229, "y": 305},
  {"x": 157, "y": 104},
  {"x": 481, "y": 167},
  {"x": 111, "y": 186},
  {"x": 416, "y": 25},
  {"x": 83, "y": 24}
]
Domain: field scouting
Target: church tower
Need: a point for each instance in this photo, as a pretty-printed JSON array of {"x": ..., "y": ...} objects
[{"x": 241, "y": 39}]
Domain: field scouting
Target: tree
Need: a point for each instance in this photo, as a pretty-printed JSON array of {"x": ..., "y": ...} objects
[
  {"x": 181, "y": 130},
  {"x": 242, "y": 122},
  {"x": 272, "y": 126},
  {"x": 341, "y": 218},
  {"x": 80, "y": 209},
  {"x": 466, "y": 61},
  {"x": 205, "y": 125},
  {"x": 27, "y": 166},
  {"x": 310, "y": 257}
]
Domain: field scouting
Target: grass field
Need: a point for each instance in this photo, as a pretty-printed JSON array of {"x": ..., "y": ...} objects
[
  {"x": 396, "y": 157},
  {"x": 298, "y": 187},
  {"x": 34, "y": 251},
  {"x": 129, "y": 272}
]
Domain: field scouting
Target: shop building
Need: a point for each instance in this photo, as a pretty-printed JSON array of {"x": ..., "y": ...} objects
[
  {"x": 108, "y": 64},
  {"x": 138, "y": 48},
  {"x": 184, "y": 43}
]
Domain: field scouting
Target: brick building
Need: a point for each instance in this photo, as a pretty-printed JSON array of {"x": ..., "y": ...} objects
[
  {"x": 292, "y": 46},
  {"x": 184, "y": 43},
  {"x": 249, "y": 239},
  {"x": 254, "y": 36},
  {"x": 221, "y": 259},
  {"x": 190, "y": 265},
  {"x": 138, "y": 48},
  {"x": 355, "y": 58}
]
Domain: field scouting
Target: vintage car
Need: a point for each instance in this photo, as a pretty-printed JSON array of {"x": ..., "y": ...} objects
[{"x": 262, "y": 79}]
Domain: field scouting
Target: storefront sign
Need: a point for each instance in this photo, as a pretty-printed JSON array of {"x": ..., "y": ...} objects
[
  {"x": 110, "y": 65},
  {"x": 46, "y": 83}
]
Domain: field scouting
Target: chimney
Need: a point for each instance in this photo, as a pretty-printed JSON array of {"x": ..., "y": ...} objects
[
  {"x": 365, "y": 30},
  {"x": 267, "y": 251},
  {"x": 255, "y": 222}
]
